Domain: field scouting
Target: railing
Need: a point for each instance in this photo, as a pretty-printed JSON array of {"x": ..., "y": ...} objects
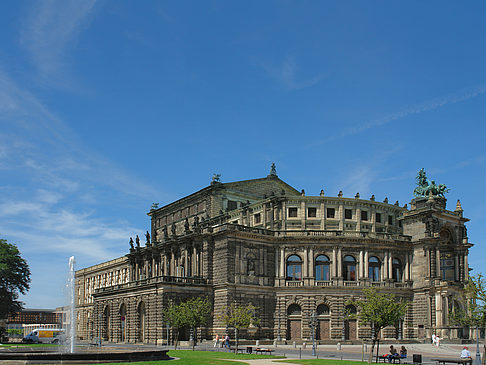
[
  {"x": 323, "y": 283},
  {"x": 294, "y": 283},
  {"x": 351, "y": 283},
  {"x": 155, "y": 280},
  {"x": 354, "y": 234}
]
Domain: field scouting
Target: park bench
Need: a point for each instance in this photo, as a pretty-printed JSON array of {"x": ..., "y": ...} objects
[
  {"x": 263, "y": 350},
  {"x": 95, "y": 342},
  {"x": 453, "y": 360},
  {"x": 394, "y": 359}
]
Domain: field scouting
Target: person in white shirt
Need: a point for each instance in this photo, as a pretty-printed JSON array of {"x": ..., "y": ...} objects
[
  {"x": 465, "y": 354},
  {"x": 433, "y": 339}
]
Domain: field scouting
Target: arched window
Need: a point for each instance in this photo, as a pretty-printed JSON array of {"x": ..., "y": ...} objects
[
  {"x": 123, "y": 322},
  {"x": 294, "y": 268},
  {"x": 351, "y": 309},
  {"x": 141, "y": 321},
  {"x": 322, "y": 310},
  {"x": 294, "y": 310},
  {"x": 349, "y": 268},
  {"x": 322, "y": 267},
  {"x": 397, "y": 270},
  {"x": 374, "y": 268}
]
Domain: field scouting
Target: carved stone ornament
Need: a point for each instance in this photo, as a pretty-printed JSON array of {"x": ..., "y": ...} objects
[{"x": 432, "y": 225}]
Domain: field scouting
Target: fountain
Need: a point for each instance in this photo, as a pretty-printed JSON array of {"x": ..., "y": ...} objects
[
  {"x": 71, "y": 330},
  {"x": 69, "y": 355}
]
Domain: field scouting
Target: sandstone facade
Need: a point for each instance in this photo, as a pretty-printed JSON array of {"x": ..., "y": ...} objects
[{"x": 264, "y": 242}]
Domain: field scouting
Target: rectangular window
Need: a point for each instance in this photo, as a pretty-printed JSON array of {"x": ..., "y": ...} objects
[
  {"x": 331, "y": 212},
  {"x": 258, "y": 218},
  {"x": 348, "y": 214},
  {"x": 364, "y": 215},
  {"x": 232, "y": 205},
  {"x": 312, "y": 212},
  {"x": 390, "y": 219},
  {"x": 378, "y": 217},
  {"x": 292, "y": 212}
]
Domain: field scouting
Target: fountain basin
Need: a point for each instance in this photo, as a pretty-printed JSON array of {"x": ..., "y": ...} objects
[{"x": 84, "y": 357}]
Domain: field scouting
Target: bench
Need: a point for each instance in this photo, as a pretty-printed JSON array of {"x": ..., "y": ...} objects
[
  {"x": 394, "y": 359},
  {"x": 96, "y": 341},
  {"x": 240, "y": 349},
  {"x": 263, "y": 350},
  {"x": 453, "y": 361}
]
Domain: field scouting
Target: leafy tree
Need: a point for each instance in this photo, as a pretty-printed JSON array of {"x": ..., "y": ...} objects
[
  {"x": 240, "y": 316},
  {"x": 196, "y": 312},
  {"x": 379, "y": 310},
  {"x": 192, "y": 313},
  {"x": 14, "y": 278},
  {"x": 474, "y": 312},
  {"x": 474, "y": 299}
]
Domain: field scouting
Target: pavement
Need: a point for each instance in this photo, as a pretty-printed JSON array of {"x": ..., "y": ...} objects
[{"x": 346, "y": 352}]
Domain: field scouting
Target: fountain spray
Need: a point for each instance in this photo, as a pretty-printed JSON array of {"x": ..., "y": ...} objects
[{"x": 72, "y": 296}]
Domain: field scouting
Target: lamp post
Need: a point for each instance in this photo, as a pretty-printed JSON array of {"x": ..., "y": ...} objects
[
  {"x": 313, "y": 325},
  {"x": 478, "y": 354}
]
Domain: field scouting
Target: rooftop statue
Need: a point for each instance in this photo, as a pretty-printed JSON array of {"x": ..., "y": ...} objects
[
  {"x": 425, "y": 187},
  {"x": 216, "y": 178}
]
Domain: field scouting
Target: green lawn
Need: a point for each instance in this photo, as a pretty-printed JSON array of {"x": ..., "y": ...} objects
[{"x": 188, "y": 357}]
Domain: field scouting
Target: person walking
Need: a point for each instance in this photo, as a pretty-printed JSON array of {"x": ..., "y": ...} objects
[
  {"x": 216, "y": 340},
  {"x": 226, "y": 342}
]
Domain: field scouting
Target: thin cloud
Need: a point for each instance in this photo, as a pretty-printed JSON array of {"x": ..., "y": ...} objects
[
  {"x": 417, "y": 109},
  {"x": 287, "y": 74},
  {"x": 50, "y": 26}
]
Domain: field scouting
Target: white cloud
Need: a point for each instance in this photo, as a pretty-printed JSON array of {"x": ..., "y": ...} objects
[{"x": 50, "y": 26}]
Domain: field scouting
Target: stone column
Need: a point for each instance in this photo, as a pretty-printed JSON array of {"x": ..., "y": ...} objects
[
  {"x": 334, "y": 263},
  {"x": 282, "y": 263},
  {"x": 373, "y": 219},
  {"x": 322, "y": 209},
  {"x": 341, "y": 216},
  {"x": 433, "y": 266},
  {"x": 466, "y": 267},
  {"x": 303, "y": 215},
  {"x": 390, "y": 266},
  {"x": 437, "y": 263},
  {"x": 284, "y": 215},
  {"x": 457, "y": 270},
  {"x": 361, "y": 265},
  {"x": 438, "y": 309},
  {"x": 186, "y": 262},
  {"x": 407, "y": 267},
  {"x": 358, "y": 219},
  {"x": 311, "y": 263},
  {"x": 339, "y": 263},
  {"x": 366, "y": 264},
  {"x": 306, "y": 263}
]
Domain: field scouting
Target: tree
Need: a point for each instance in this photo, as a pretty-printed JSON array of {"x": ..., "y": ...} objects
[
  {"x": 14, "y": 278},
  {"x": 379, "y": 310},
  {"x": 192, "y": 313},
  {"x": 473, "y": 314},
  {"x": 196, "y": 312},
  {"x": 240, "y": 316}
]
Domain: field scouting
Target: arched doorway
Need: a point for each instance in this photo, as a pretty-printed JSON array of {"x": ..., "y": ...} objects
[
  {"x": 106, "y": 324},
  {"x": 141, "y": 322},
  {"x": 350, "y": 330},
  {"x": 294, "y": 323},
  {"x": 123, "y": 323},
  {"x": 323, "y": 315}
]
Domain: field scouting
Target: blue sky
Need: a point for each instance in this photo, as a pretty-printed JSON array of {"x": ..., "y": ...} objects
[{"x": 109, "y": 106}]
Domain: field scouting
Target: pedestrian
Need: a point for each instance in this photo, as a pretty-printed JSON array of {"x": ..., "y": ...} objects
[
  {"x": 437, "y": 341},
  {"x": 434, "y": 338},
  {"x": 226, "y": 342},
  {"x": 216, "y": 340},
  {"x": 403, "y": 352},
  {"x": 465, "y": 354}
]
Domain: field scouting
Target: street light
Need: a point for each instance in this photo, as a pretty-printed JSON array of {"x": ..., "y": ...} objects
[
  {"x": 313, "y": 325},
  {"x": 478, "y": 355}
]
